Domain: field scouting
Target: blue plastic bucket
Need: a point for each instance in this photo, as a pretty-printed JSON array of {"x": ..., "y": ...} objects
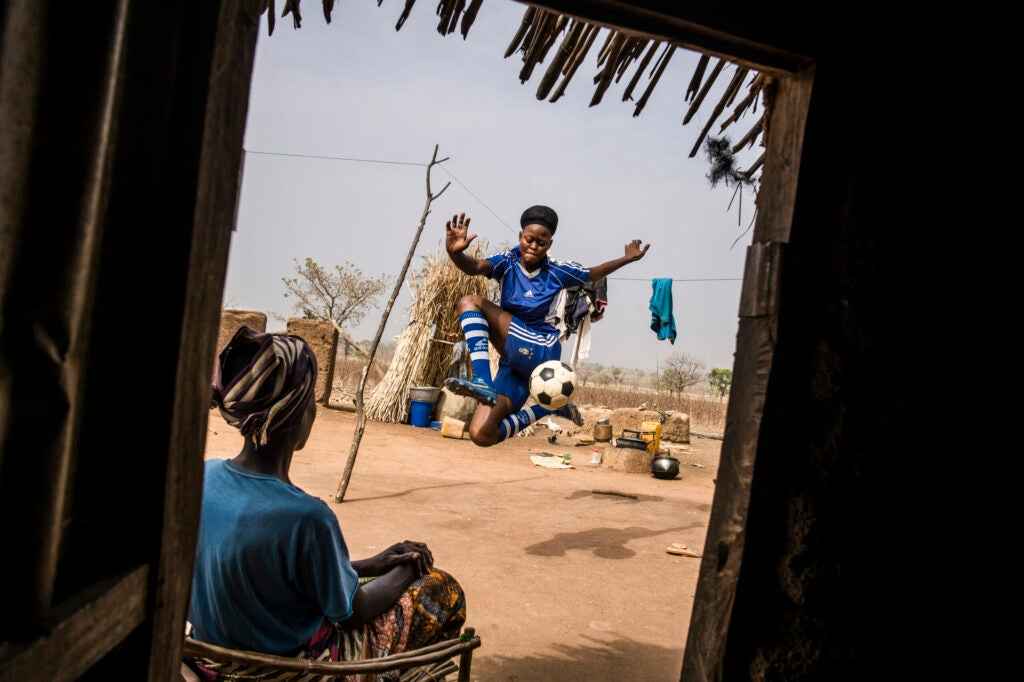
[{"x": 420, "y": 414}]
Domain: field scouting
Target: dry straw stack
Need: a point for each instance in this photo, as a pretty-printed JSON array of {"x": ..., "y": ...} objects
[{"x": 424, "y": 350}]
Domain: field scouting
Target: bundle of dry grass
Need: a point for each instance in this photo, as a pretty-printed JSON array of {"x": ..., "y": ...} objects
[{"x": 424, "y": 350}]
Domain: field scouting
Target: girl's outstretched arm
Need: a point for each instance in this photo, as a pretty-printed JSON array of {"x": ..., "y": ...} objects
[
  {"x": 457, "y": 240},
  {"x": 633, "y": 253}
]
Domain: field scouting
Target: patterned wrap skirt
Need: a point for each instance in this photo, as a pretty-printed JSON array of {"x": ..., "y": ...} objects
[{"x": 432, "y": 609}]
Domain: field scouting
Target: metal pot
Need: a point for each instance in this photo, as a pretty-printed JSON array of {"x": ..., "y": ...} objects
[
  {"x": 634, "y": 443},
  {"x": 603, "y": 431},
  {"x": 665, "y": 466}
]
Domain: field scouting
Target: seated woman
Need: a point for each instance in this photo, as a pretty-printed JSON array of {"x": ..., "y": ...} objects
[{"x": 273, "y": 572}]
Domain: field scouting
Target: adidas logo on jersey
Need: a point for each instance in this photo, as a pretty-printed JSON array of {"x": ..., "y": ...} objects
[{"x": 528, "y": 294}]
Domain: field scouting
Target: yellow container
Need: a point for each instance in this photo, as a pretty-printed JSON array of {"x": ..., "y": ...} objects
[
  {"x": 452, "y": 428},
  {"x": 650, "y": 432}
]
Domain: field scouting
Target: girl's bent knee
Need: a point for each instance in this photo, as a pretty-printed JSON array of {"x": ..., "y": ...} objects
[
  {"x": 470, "y": 302},
  {"x": 482, "y": 439}
]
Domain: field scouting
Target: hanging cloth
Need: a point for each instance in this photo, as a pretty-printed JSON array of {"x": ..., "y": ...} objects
[
  {"x": 662, "y": 320},
  {"x": 579, "y": 307}
]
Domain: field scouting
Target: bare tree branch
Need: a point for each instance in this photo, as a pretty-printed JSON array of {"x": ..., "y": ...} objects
[{"x": 357, "y": 436}]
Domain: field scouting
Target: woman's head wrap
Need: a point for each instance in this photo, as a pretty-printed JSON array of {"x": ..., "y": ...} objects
[
  {"x": 540, "y": 215},
  {"x": 264, "y": 383}
]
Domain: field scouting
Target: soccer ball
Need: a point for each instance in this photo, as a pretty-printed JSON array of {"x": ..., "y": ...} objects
[{"x": 552, "y": 384}]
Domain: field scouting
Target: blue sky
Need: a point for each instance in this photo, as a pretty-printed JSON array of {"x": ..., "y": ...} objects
[{"x": 358, "y": 89}]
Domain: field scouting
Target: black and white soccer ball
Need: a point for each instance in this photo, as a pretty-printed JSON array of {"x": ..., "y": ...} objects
[{"x": 552, "y": 384}]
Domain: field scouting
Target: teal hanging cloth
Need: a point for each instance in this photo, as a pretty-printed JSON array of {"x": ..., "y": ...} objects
[{"x": 662, "y": 320}]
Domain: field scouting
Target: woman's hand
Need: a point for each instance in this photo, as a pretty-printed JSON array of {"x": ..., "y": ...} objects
[
  {"x": 634, "y": 252},
  {"x": 416, "y": 554},
  {"x": 456, "y": 239}
]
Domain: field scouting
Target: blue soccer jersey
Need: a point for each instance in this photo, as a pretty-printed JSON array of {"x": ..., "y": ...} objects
[{"x": 531, "y": 296}]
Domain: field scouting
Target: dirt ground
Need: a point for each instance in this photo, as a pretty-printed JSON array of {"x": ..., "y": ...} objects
[{"x": 562, "y": 583}]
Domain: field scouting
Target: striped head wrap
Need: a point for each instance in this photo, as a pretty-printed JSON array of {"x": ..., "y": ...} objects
[{"x": 264, "y": 383}]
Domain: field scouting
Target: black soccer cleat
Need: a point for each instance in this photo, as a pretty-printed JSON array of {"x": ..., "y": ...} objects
[{"x": 571, "y": 412}]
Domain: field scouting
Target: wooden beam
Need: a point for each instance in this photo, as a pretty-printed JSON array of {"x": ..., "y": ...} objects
[
  {"x": 730, "y": 35},
  {"x": 217, "y": 188},
  {"x": 85, "y": 629},
  {"x": 717, "y": 583}
]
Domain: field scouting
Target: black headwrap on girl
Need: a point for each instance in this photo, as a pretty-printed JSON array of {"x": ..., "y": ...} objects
[{"x": 540, "y": 215}]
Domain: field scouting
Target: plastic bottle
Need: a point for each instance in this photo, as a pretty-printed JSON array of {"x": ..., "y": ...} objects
[{"x": 595, "y": 456}]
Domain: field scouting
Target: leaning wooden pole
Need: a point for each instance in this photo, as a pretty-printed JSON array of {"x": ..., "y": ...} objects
[{"x": 339, "y": 496}]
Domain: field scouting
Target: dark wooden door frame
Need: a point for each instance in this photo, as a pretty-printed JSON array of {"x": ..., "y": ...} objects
[{"x": 149, "y": 602}]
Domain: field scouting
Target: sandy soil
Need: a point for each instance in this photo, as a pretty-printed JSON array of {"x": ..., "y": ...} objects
[{"x": 562, "y": 583}]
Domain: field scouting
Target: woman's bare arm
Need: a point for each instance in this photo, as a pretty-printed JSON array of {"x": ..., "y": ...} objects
[{"x": 633, "y": 253}]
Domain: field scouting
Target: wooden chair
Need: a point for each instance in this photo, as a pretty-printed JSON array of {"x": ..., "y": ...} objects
[{"x": 432, "y": 662}]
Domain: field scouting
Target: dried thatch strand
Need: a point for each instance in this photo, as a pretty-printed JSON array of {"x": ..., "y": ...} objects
[
  {"x": 292, "y": 7},
  {"x": 449, "y": 11},
  {"x": 695, "y": 79},
  {"x": 639, "y": 72},
  {"x": 751, "y": 99},
  {"x": 634, "y": 48},
  {"x": 470, "y": 16},
  {"x": 560, "y": 23},
  {"x": 729, "y": 93},
  {"x": 751, "y": 135},
  {"x": 405, "y": 13},
  {"x": 524, "y": 25},
  {"x": 268, "y": 7},
  {"x": 562, "y": 55},
  {"x": 581, "y": 49},
  {"x": 662, "y": 65},
  {"x": 695, "y": 104},
  {"x": 540, "y": 41},
  {"x": 604, "y": 79},
  {"x": 590, "y": 32},
  {"x": 754, "y": 166}
]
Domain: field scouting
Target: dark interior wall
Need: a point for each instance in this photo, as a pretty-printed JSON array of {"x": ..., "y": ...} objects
[
  {"x": 823, "y": 592},
  {"x": 120, "y": 142},
  {"x": 833, "y": 583}
]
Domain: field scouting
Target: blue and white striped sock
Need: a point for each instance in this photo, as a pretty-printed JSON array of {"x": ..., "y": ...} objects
[
  {"x": 516, "y": 422},
  {"x": 477, "y": 332}
]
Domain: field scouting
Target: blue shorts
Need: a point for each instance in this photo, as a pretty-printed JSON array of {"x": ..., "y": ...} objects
[{"x": 524, "y": 350}]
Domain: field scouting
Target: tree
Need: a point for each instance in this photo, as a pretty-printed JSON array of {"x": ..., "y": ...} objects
[
  {"x": 342, "y": 296},
  {"x": 720, "y": 380},
  {"x": 681, "y": 372}
]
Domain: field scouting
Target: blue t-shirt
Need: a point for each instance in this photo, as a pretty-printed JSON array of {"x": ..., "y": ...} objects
[
  {"x": 271, "y": 563},
  {"x": 532, "y": 296}
]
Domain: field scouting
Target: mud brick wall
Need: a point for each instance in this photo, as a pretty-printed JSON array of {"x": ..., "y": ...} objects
[
  {"x": 675, "y": 428},
  {"x": 231, "y": 320},
  {"x": 323, "y": 338}
]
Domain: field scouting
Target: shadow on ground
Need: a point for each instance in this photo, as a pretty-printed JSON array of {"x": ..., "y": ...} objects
[
  {"x": 585, "y": 659},
  {"x": 606, "y": 543}
]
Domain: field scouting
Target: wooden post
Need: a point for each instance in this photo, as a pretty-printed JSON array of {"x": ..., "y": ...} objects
[{"x": 466, "y": 658}]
